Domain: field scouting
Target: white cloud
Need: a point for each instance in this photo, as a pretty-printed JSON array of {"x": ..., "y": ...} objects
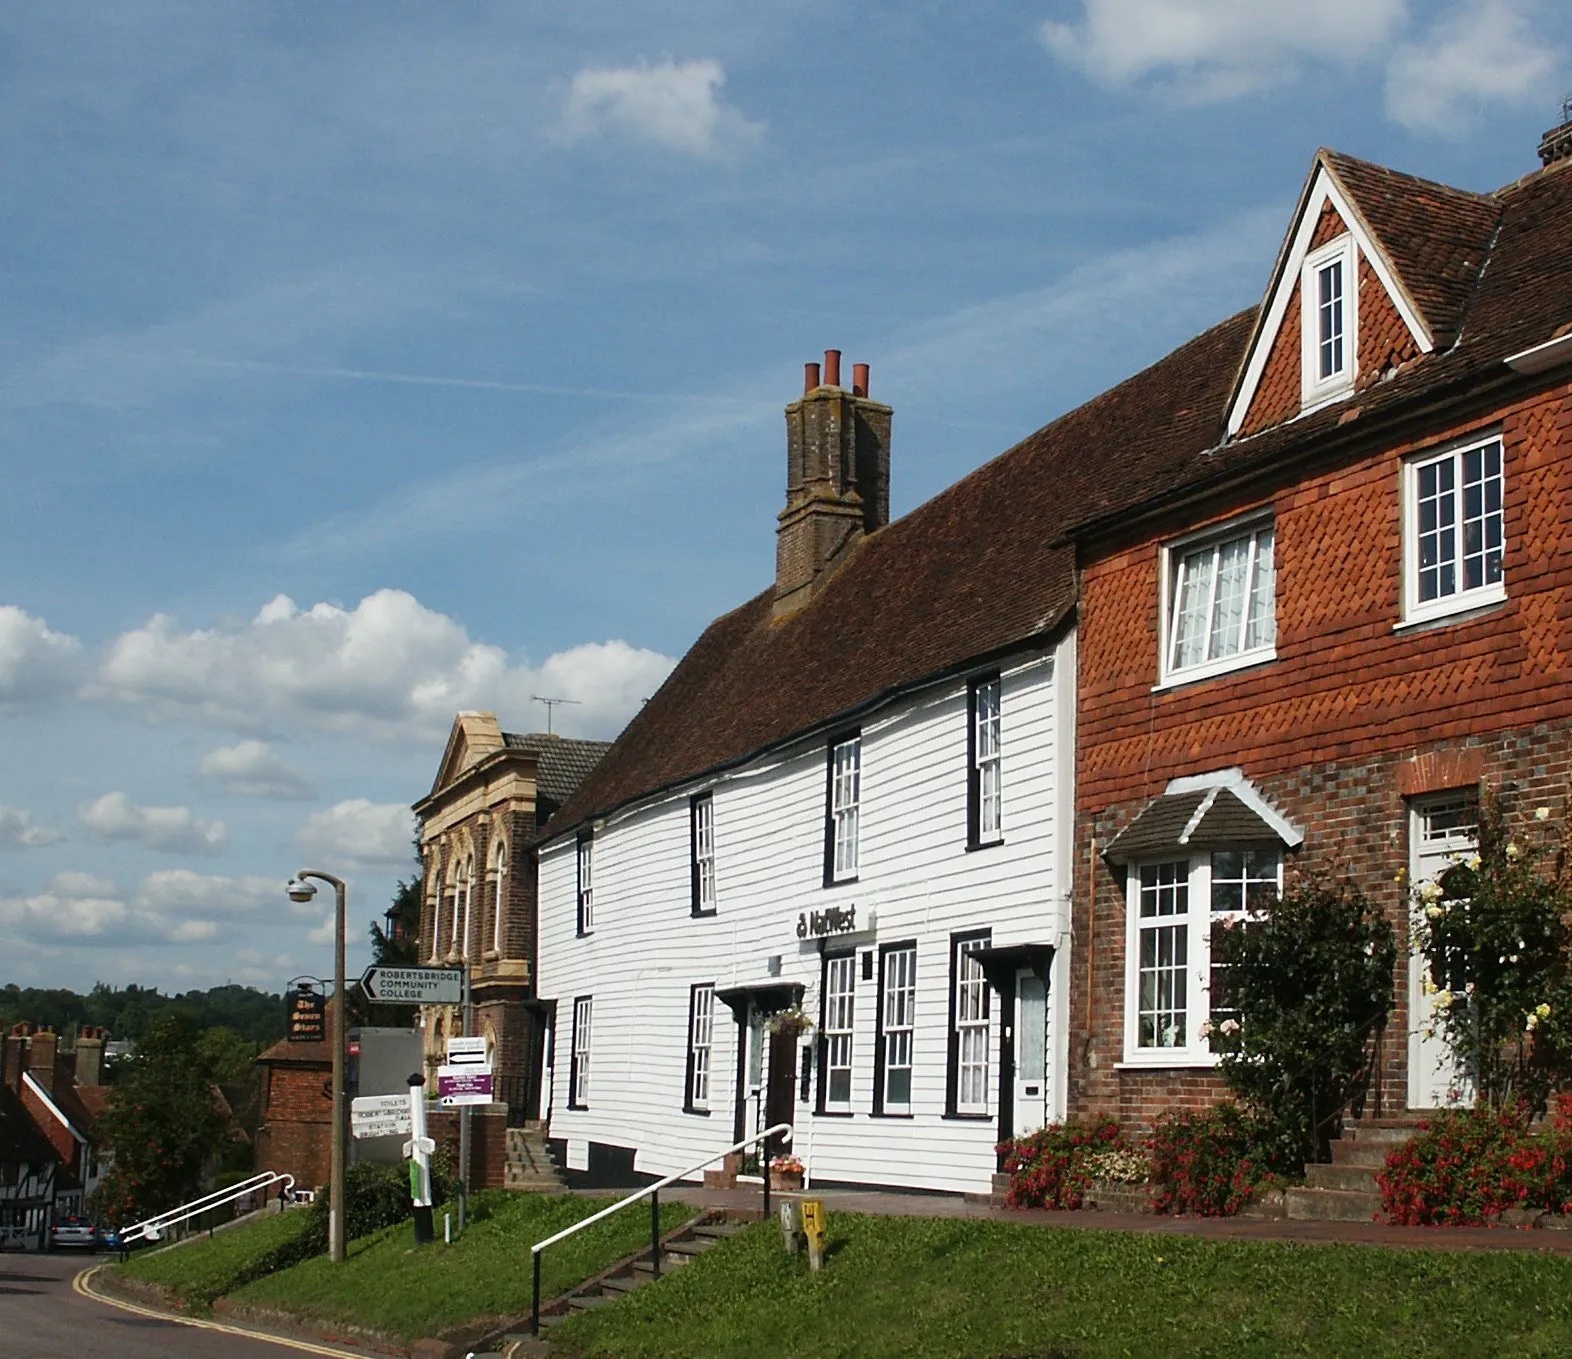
[
  {"x": 1481, "y": 53},
  {"x": 389, "y": 668},
  {"x": 674, "y": 105},
  {"x": 20, "y": 829},
  {"x": 36, "y": 664},
  {"x": 360, "y": 831},
  {"x": 1207, "y": 50},
  {"x": 252, "y": 769},
  {"x": 176, "y": 830}
]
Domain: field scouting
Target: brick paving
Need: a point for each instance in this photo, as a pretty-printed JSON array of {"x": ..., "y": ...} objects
[{"x": 885, "y": 1204}]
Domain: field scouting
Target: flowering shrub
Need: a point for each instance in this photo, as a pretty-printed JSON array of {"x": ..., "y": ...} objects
[
  {"x": 1310, "y": 978},
  {"x": 1053, "y": 1167},
  {"x": 1210, "y": 1164},
  {"x": 1496, "y": 932}
]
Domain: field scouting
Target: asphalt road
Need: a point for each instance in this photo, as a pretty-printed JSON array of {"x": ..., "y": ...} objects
[{"x": 43, "y": 1317}]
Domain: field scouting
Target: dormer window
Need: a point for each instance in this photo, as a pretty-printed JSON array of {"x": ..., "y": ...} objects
[{"x": 1329, "y": 305}]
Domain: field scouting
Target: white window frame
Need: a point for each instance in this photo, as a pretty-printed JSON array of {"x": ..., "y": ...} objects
[
  {"x": 1462, "y": 599},
  {"x": 586, "y": 885},
  {"x": 502, "y": 896},
  {"x": 578, "y": 1077},
  {"x": 1171, "y": 580},
  {"x": 703, "y": 846},
  {"x": 840, "y": 1028},
  {"x": 1196, "y": 922},
  {"x": 898, "y": 967},
  {"x": 844, "y": 826},
  {"x": 987, "y": 759},
  {"x": 701, "y": 1042},
  {"x": 1316, "y": 390},
  {"x": 973, "y": 1026}
]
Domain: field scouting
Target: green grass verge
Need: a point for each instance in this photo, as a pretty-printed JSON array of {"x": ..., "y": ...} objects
[
  {"x": 915, "y": 1288},
  {"x": 390, "y": 1285},
  {"x": 202, "y": 1270}
]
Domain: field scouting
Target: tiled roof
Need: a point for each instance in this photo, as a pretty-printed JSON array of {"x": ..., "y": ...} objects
[
  {"x": 562, "y": 764},
  {"x": 1220, "y": 820},
  {"x": 989, "y": 563}
]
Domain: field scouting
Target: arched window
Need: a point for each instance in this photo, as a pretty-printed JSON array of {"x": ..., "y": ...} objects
[{"x": 502, "y": 896}]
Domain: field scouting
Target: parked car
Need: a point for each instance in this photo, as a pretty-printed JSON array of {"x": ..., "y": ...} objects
[{"x": 73, "y": 1233}]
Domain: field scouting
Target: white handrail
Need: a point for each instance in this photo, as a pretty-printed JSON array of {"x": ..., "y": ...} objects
[
  {"x": 783, "y": 1128},
  {"x": 173, "y": 1217}
]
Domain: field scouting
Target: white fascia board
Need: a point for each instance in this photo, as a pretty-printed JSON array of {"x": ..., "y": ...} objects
[
  {"x": 1236, "y": 783},
  {"x": 1541, "y": 358},
  {"x": 37, "y": 1089},
  {"x": 1324, "y": 189}
]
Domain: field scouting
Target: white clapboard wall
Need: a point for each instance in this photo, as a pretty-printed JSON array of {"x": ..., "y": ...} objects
[{"x": 647, "y": 950}]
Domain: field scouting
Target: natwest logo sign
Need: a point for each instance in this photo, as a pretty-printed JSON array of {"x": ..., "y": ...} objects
[{"x": 832, "y": 921}]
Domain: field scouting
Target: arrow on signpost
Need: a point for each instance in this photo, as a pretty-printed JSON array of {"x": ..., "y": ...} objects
[{"x": 413, "y": 985}]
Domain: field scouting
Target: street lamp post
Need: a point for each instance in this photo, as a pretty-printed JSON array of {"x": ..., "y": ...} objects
[{"x": 300, "y": 889}]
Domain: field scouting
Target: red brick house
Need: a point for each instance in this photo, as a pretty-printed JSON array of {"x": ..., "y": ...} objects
[{"x": 1341, "y": 602}]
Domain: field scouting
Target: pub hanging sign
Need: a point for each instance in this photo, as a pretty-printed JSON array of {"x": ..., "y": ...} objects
[
  {"x": 307, "y": 1016},
  {"x": 832, "y": 921}
]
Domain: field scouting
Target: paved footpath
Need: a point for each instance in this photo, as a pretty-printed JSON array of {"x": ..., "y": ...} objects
[
  {"x": 47, "y": 1312},
  {"x": 880, "y": 1204}
]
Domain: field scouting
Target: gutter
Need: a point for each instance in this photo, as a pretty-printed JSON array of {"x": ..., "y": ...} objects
[{"x": 1042, "y": 640}]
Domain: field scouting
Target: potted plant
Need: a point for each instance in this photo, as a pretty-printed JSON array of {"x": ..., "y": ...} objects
[{"x": 785, "y": 1172}]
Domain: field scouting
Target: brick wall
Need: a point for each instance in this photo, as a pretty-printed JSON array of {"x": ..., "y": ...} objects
[{"x": 1332, "y": 731}]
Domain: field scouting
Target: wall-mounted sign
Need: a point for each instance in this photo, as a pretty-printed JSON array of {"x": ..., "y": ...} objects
[
  {"x": 831, "y": 921},
  {"x": 307, "y": 1017}
]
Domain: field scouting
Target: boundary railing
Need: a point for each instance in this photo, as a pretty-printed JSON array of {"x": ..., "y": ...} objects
[
  {"x": 153, "y": 1228},
  {"x": 652, "y": 1192}
]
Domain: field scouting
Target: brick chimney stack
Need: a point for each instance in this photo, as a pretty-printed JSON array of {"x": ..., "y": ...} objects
[
  {"x": 1556, "y": 145},
  {"x": 837, "y": 480},
  {"x": 41, "y": 1058},
  {"x": 90, "y": 1056}
]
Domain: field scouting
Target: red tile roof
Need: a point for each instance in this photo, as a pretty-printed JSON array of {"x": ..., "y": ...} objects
[{"x": 988, "y": 565}]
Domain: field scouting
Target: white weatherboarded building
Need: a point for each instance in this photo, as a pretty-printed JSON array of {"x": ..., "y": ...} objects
[{"x": 851, "y": 803}]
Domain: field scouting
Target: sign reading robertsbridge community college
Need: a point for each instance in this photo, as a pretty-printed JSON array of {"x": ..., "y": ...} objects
[{"x": 413, "y": 985}]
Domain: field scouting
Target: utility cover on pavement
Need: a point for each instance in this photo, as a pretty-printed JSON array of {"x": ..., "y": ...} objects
[{"x": 413, "y": 985}]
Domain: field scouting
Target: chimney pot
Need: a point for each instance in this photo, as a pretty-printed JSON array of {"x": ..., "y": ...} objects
[
  {"x": 832, "y": 368},
  {"x": 810, "y": 377},
  {"x": 859, "y": 379}
]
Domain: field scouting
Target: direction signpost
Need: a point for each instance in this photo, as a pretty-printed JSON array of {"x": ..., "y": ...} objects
[{"x": 413, "y": 985}]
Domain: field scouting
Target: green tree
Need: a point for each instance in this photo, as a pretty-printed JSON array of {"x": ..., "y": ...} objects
[
  {"x": 1311, "y": 980},
  {"x": 162, "y": 1124}
]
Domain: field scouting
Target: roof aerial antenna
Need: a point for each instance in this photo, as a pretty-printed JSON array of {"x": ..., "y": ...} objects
[{"x": 550, "y": 704}]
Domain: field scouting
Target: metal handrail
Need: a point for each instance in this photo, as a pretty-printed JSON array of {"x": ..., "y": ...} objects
[
  {"x": 783, "y": 1130},
  {"x": 150, "y": 1228}
]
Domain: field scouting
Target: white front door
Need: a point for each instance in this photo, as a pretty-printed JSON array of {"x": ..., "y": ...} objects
[
  {"x": 1442, "y": 831},
  {"x": 1032, "y": 1103}
]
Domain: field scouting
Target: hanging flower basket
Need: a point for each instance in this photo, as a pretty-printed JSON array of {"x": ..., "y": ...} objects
[{"x": 793, "y": 1023}]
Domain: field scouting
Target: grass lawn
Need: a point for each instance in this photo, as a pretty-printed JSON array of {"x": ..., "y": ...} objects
[
  {"x": 914, "y": 1287},
  {"x": 202, "y": 1270},
  {"x": 390, "y": 1285}
]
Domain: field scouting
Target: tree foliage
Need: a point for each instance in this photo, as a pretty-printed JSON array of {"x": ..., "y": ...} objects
[
  {"x": 1496, "y": 932},
  {"x": 162, "y": 1123},
  {"x": 1311, "y": 980}
]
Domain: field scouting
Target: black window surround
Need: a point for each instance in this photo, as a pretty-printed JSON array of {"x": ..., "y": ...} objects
[
  {"x": 974, "y": 838},
  {"x": 839, "y": 739},
  {"x": 953, "y": 1037},
  {"x": 878, "y": 1043},
  {"x": 695, "y": 901}
]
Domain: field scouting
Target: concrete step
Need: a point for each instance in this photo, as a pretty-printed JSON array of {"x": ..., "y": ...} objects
[
  {"x": 1370, "y": 1154},
  {"x": 1331, "y": 1205},
  {"x": 1356, "y": 1178}
]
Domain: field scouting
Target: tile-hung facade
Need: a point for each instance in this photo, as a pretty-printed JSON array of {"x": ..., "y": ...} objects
[
  {"x": 1337, "y": 617},
  {"x": 479, "y": 826},
  {"x": 1281, "y": 599}
]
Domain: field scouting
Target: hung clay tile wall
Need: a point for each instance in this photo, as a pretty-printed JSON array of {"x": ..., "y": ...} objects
[{"x": 1337, "y": 729}]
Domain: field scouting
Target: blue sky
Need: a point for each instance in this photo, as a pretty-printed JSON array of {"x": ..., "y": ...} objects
[{"x": 361, "y": 363}]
